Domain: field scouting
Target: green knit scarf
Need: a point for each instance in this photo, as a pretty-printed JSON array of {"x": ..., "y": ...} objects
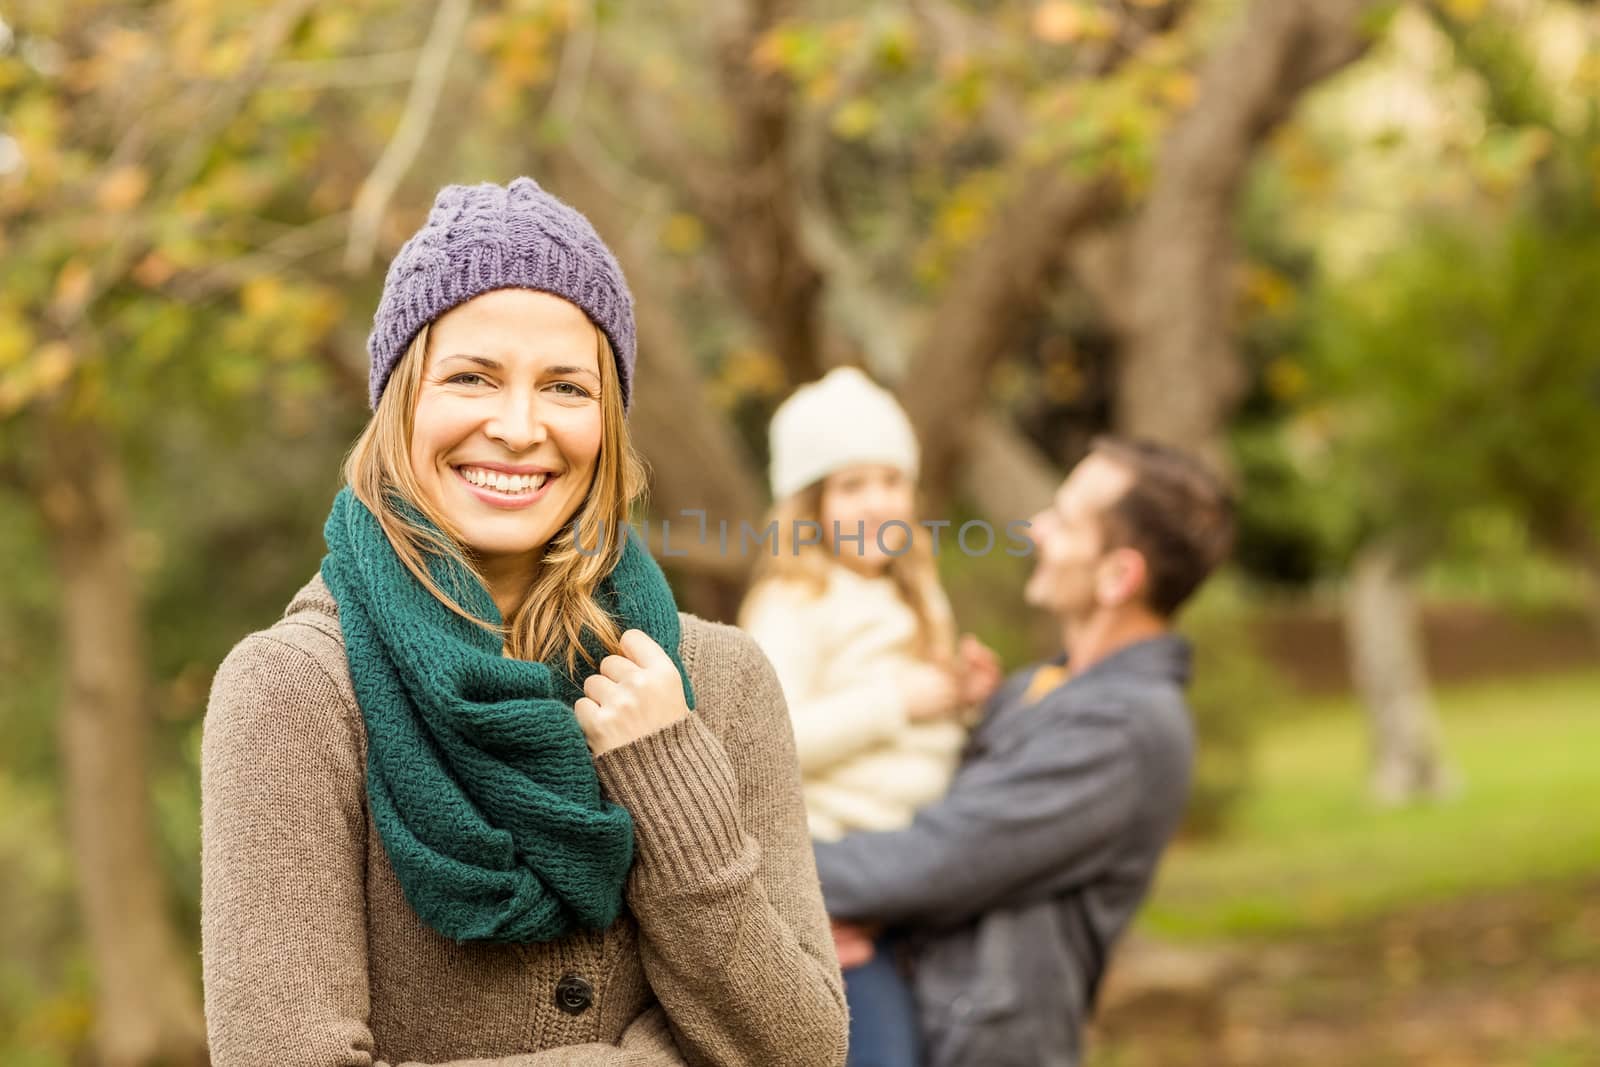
[{"x": 478, "y": 776}]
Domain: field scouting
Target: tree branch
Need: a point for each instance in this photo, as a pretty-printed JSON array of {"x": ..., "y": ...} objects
[
  {"x": 299, "y": 243},
  {"x": 1001, "y": 281},
  {"x": 111, "y": 265},
  {"x": 1180, "y": 374},
  {"x": 1005, "y": 475},
  {"x": 373, "y": 198},
  {"x": 351, "y": 72},
  {"x": 271, "y": 33}
]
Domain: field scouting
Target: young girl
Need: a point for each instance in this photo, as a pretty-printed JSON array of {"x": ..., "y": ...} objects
[
  {"x": 850, "y": 612},
  {"x": 480, "y": 795}
]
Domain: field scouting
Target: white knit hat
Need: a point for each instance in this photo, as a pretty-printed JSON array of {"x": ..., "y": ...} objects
[{"x": 836, "y": 422}]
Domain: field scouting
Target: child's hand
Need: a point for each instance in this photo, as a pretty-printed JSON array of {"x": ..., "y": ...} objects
[
  {"x": 978, "y": 668},
  {"x": 852, "y": 942},
  {"x": 930, "y": 692}
]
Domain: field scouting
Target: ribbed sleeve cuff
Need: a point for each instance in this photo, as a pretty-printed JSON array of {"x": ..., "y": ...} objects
[{"x": 680, "y": 789}]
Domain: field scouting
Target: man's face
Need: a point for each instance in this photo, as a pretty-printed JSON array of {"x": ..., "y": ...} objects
[{"x": 1074, "y": 574}]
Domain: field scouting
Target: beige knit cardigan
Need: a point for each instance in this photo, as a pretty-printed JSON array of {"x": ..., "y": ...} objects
[{"x": 312, "y": 957}]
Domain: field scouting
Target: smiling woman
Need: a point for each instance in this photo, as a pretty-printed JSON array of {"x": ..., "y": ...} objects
[{"x": 480, "y": 795}]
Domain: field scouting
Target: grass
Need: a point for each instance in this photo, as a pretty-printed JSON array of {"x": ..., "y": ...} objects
[{"x": 1309, "y": 852}]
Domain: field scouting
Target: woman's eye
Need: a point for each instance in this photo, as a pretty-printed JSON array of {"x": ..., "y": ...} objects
[
  {"x": 464, "y": 378},
  {"x": 569, "y": 389}
]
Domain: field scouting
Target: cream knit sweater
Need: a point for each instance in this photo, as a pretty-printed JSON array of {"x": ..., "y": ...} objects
[
  {"x": 312, "y": 957},
  {"x": 864, "y": 765}
]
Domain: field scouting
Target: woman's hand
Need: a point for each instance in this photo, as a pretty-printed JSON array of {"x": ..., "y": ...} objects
[
  {"x": 979, "y": 668},
  {"x": 636, "y": 693},
  {"x": 930, "y": 692}
]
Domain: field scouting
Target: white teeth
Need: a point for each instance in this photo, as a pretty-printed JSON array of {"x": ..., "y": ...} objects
[{"x": 501, "y": 482}]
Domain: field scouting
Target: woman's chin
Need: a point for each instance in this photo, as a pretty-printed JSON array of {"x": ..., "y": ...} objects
[{"x": 486, "y": 542}]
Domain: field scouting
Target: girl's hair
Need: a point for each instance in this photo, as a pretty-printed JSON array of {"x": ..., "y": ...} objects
[
  {"x": 560, "y": 605},
  {"x": 915, "y": 576}
]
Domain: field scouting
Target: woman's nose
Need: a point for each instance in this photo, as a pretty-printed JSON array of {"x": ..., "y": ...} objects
[{"x": 517, "y": 423}]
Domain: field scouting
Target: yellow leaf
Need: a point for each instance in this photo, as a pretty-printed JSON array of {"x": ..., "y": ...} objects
[
  {"x": 1285, "y": 379},
  {"x": 189, "y": 46},
  {"x": 1178, "y": 88},
  {"x": 226, "y": 58},
  {"x": 682, "y": 234},
  {"x": 1267, "y": 288},
  {"x": 1058, "y": 22},
  {"x": 15, "y": 338},
  {"x": 72, "y": 287},
  {"x": 52, "y": 365},
  {"x": 122, "y": 188},
  {"x": 484, "y": 31},
  {"x": 774, "y": 50},
  {"x": 1466, "y": 10},
  {"x": 751, "y": 371},
  {"x": 261, "y": 296},
  {"x": 855, "y": 119},
  {"x": 153, "y": 270}
]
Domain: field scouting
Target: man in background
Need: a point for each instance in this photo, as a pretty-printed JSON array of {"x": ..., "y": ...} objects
[{"x": 1014, "y": 888}]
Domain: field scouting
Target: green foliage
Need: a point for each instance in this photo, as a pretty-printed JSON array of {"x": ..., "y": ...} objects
[
  {"x": 44, "y": 1006},
  {"x": 1232, "y": 693},
  {"x": 1464, "y": 373},
  {"x": 1447, "y": 388}
]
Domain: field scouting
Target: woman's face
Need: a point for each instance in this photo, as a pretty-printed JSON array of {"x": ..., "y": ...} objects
[
  {"x": 867, "y": 496},
  {"x": 507, "y": 426}
]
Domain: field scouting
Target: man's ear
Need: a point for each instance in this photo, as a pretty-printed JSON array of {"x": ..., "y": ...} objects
[{"x": 1121, "y": 577}]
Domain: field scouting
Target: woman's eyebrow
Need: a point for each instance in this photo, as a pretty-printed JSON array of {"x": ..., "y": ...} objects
[
  {"x": 570, "y": 368},
  {"x": 482, "y": 361}
]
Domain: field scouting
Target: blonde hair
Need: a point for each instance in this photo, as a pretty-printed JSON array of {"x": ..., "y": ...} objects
[
  {"x": 913, "y": 572},
  {"x": 559, "y": 606}
]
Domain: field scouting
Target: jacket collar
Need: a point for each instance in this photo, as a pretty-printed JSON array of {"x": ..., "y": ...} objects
[{"x": 1165, "y": 658}]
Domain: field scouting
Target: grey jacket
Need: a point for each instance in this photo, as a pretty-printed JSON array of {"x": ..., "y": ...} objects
[{"x": 1014, "y": 887}]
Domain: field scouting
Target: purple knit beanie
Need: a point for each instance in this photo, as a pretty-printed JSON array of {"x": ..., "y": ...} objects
[{"x": 484, "y": 237}]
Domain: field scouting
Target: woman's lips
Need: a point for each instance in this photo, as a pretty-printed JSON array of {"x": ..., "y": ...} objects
[{"x": 505, "y": 501}]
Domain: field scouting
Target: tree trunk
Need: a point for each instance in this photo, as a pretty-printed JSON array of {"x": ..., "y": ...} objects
[
  {"x": 999, "y": 287},
  {"x": 1180, "y": 375},
  {"x": 1384, "y": 634},
  {"x": 146, "y": 1008},
  {"x": 1005, "y": 476}
]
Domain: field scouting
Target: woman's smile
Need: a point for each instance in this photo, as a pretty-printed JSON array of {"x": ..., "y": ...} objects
[{"x": 502, "y": 486}]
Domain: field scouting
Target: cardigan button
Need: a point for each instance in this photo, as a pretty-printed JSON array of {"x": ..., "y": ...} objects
[{"x": 574, "y": 994}]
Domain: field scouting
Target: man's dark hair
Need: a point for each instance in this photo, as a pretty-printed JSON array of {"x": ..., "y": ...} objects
[{"x": 1176, "y": 513}]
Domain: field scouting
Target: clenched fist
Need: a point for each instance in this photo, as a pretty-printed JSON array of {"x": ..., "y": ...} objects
[{"x": 636, "y": 693}]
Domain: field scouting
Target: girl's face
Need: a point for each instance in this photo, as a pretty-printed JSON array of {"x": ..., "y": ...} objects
[
  {"x": 507, "y": 426},
  {"x": 871, "y": 495}
]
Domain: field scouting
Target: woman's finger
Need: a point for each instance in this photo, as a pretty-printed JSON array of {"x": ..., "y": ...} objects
[
  {"x": 642, "y": 649},
  {"x": 618, "y": 668},
  {"x": 600, "y": 689}
]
